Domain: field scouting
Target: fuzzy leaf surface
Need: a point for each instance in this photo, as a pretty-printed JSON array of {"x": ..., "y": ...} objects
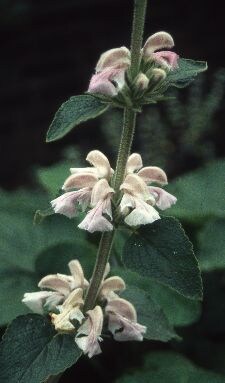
[
  {"x": 179, "y": 310},
  {"x": 212, "y": 245},
  {"x": 200, "y": 193},
  {"x": 185, "y": 73},
  {"x": 150, "y": 315},
  {"x": 31, "y": 351},
  {"x": 161, "y": 251},
  {"x": 72, "y": 112},
  {"x": 170, "y": 367}
]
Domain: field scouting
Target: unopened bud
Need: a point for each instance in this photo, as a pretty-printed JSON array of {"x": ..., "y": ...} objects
[
  {"x": 118, "y": 58},
  {"x": 142, "y": 81},
  {"x": 158, "y": 74}
]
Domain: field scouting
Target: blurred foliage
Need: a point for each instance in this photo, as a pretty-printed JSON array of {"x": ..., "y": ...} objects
[
  {"x": 28, "y": 252},
  {"x": 170, "y": 368},
  {"x": 180, "y": 131}
]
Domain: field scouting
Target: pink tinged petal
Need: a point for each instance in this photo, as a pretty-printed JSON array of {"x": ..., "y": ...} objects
[
  {"x": 101, "y": 163},
  {"x": 131, "y": 331},
  {"x": 159, "y": 40},
  {"x": 102, "y": 86},
  {"x": 167, "y": 58},
  {"x": 122, "y": 307},
  {"x": 57, "y": 282},
  {"x": 101, "y": 191},
  {"x": 153, "y": 174},
  {"x": 134, "y": 163},
  {"x": 117, "y": 57},
  {"x": 164, "y": 200},
  {"x": 136, "y": 186},
  {"x": 79, "y": 181},
  {"x": 103, "y": 82},
  {"x": 89, "y": 334},
  {"x": 78, "y": 275},
  {"x": 122, "y": 321},
  {"x": 35, "y": 301},
  {"x": 143, "y": 214},
  {"x": 110, "y": 285},
  {"x": 94, "y": 220},
  {"x": 65, "y": 204}
]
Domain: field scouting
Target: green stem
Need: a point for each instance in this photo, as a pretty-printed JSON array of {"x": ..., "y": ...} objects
[
  {"x": 129, "y": 121},
  {"x": 99, "y": 269},
  {"x": 137, "y": 35}
]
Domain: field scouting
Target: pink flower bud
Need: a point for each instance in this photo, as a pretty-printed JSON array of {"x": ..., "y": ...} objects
[{"x": 167, "y": 58}]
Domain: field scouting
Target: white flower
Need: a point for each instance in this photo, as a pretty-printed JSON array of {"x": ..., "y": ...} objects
[
  {"x": 110, "y": 72},
  {"x": 61, "y": 286},
  {"x": 101, "y": 202},
  {"x": 66, "y": 203},
  {"x": 68, "y": 311},
  {"x": 36, "y": 301},
  {"x": 138, "y": 199},
  {"x": 93, "y": 190},
  {"x": 110, "y": 285},
  {"x": 161, "y": 40},
  {"x": 163, "y": 199},
  {"x": 122, "y": 321},
  {"x": 109, "y": 78},
  {"x": 89, "y": 334}
]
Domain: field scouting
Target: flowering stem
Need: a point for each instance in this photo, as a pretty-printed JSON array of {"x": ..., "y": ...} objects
[
  {"x": 137, "y": 35},
  {"x": 99, "y": 269},
  {"x": 129, "y": 121}
]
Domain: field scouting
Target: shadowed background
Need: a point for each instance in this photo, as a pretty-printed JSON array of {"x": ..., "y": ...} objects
[{"x": 48, "y": 52}]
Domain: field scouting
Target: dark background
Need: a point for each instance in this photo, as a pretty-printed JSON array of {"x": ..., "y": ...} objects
[{"x": 48, "y": 53}]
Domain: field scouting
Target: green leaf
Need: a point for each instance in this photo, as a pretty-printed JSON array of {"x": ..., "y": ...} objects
[
  {"x": 185, "y": 73},
  {"x": 72, "y": 112},
  {"x": 212, "y": 245},
  {"x": 169, "y": 367},
  {"x": 24, "y": 246},
  {"x": 31, "y": 351},
  {"x": 53, "y": 177},
  {"x": 56, "y": 258},
  {"x": 200, "y": 193},
  {"x": 179, "y": 310},
  {"x": 162, "y": 252},
  {"x": 149, "y": 314}
]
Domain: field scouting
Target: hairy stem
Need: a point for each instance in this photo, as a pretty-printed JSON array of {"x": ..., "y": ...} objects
[
  {"x": 137, "y": 35},
  {"x": 98, "y": 273},
  {"x": 127, "y": 135},
  {"x": 129, "y": 121}
]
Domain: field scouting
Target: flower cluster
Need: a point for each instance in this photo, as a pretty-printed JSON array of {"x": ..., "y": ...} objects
[
  {"x": 89, "y": 188},
  {"x": 109, "y": 78},
  {"x": 64, "y": 301}
]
